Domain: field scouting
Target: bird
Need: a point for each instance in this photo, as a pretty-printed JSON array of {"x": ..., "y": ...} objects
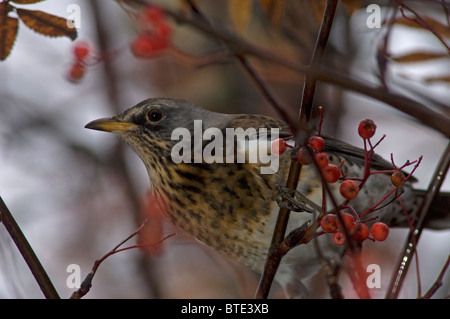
[{"x": 231, "y": 204}]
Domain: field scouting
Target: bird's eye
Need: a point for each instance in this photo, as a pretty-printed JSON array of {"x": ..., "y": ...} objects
[{"x": 154, "y": 115}]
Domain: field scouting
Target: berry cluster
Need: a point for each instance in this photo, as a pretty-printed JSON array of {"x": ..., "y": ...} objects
[
  {"x": 336, "y": 222},
  {"x": 330, "y": 172},
  {"x": 357, "y": 230},
  {"x": 154, "y": 34},
  {"x": 81, "y": 52}
]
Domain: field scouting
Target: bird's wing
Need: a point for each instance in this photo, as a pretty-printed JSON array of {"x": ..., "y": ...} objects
[
  {"x": 332, "y": 145},
  {"x": 257, "y": 121}
]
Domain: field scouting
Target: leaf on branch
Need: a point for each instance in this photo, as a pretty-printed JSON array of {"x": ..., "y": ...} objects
[
  {"x": 352, "y": 5},
  {"x": 274, "y": 10},
  {"x": 434, "y": 79},
  {"x": 46, "y": 24},
  {"x": 318, "y": 7},
  {"x": 419, "y": 56},
  {"x": 8, "y": 33},
  {"x": 240, "y": 12},
  {"x": 440, "y": 28},
  {"x": 26, "y": 1}
]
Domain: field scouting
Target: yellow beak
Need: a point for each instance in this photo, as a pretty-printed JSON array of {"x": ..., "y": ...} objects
[{"x": 109, "y": 125}]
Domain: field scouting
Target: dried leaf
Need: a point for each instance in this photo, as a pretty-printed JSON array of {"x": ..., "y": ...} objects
[
  {"x": 442, "y": 29},
  {"x": 240, "y": 13},
  {"x": 352, "y": 5},
  {"x": 434, "y": 79},
  {"x": 8, "y": 33},
  {"x": 46, "y": 24},
  {"x": 185, "y": 7},
  {"x": 419, "y": 57},
  {"x": 318, "y": 8},
  {"x": 26, "y": 1},
  {"x": 274, "y": 10}
]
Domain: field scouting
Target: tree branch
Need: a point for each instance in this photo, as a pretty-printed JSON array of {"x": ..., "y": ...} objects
[
  {"x": 414, "y": 234},
  {"x": 274, "y": 257},
  {"x": 27, "y": 252}
]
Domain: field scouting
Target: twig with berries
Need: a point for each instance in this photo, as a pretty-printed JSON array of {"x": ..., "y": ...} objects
[{"x": 347, "y": 227}]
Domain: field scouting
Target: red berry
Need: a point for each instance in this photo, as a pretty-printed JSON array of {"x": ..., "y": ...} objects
[
  {"x": 339, "y": 238},
  {"x": 278, "y": 146},
  {"x": 153, "y": 14},
  {"x": 349, "y": 189},
  {"x": 322, "y": 160},
  {"x": 398, "y": 178},
  {"x": 348, "y": 219},
  {"x": 317, "y": 143},
  {"x": 366, "y": 128},
  {"x": 303, "y": 156},
  {"x": 81, "y": 50},
  {"x": 328, "y": 223},
  {"x": 147, "y": 45},
  {"x": 331, "y": 173},
  {"x": 379, "y": 231},
  {"x": 76, "y": 72},
  {"x": 359, "y": 232},
  {"x": 163, "y": 29}
]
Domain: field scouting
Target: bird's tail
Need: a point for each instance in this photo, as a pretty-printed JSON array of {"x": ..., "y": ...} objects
[{"x": 439, "y": 215}]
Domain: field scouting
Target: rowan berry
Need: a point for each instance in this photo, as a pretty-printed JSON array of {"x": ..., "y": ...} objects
[
  {"x": 321, "y": 159},
  {"x": 349, "y": 189},
  {"x": 76, "y": 72},
  {"x": 303, "y": 156},
  {"x": 366, "y": 128},
  {"x": 348, "y": 220},
  {"x": 398, "y": 178},
  {"x": 279, "y": 146},
  {"x": 81, "y": 50},
  {"x": 328, "y": 223},
  {"x": 317, "y": 143},
  {"x": 331, "y": 173},
  {"x": 153, "y": 14},
  {"x": 359, "y": 232},
  {"x": 379, "y": 231},
  {"x": 147, "y": 45},
  {"x": 339, "y": 238}
]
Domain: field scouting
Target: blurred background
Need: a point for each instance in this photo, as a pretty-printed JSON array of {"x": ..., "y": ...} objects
[{"x": 77, "y": 193}]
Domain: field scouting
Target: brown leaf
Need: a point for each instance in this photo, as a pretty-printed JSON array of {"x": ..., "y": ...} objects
[
  {"x": 8, "y": 33},
  {"x": 352, "y": 5},
  {"x": 240, "y": 13},
  {"x": 434, "y": 79},
  {"x": 317, "y": 8},
  {"x": 419, "y": 57},
  {"x": 46, "y": 24},
  {"x": 274, "y": 10},
  {"x": 442, "y": 29},
  {"x": 26, "y": 1}
]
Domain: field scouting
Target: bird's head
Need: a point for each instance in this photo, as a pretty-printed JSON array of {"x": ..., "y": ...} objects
[{"x": 149, "y": 127}]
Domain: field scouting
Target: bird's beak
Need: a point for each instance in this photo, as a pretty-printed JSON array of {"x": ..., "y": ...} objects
[{"x": 109, "y": 125}]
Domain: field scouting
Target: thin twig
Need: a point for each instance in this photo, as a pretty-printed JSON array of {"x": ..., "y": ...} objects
[
  {"x": 438, "y": 282},
  {"x": 86, "y": 285},
  {"x": 268, "y": 94},
  {"x": 414, "y": 234},
  {"x": 419, "y": 111},
  {"x": 423, "y": 23},
  {"x": 27, "y": 252}
]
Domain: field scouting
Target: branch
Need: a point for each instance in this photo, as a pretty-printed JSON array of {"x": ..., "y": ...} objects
[
  {"x": 402, "y": 103},
  {"x": 27, "y": 252},
  {"x": 86, "y": 285},
  {"x": 274, "y": 257},
  {"x": 439, "y": 122},
  {"x": 438, "y": 282},
  {"x": 414, "y": 234}
]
